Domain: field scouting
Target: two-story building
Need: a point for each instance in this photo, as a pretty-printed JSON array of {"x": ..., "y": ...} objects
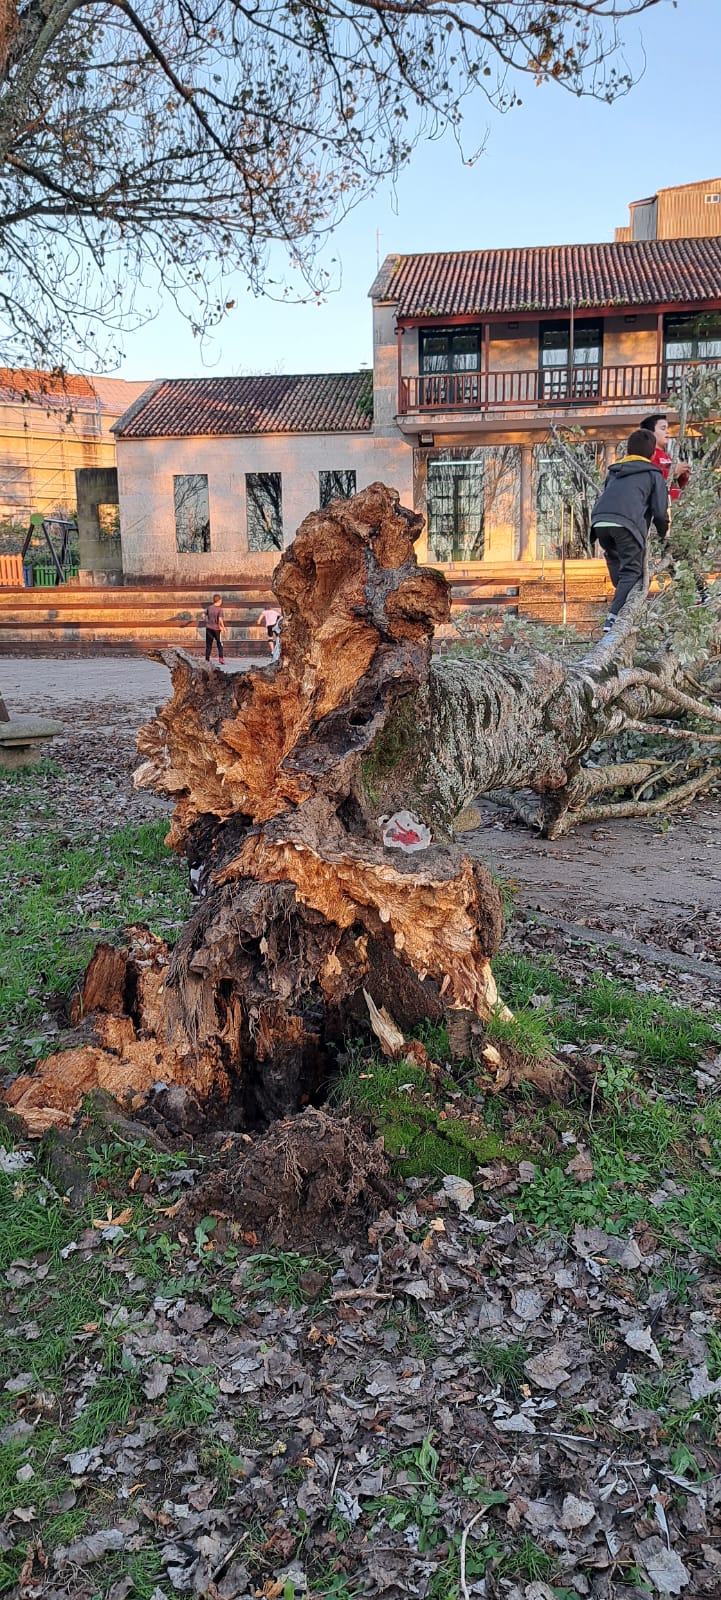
[
  {"x": 500, "y": 366},
  {"x": 499, "y": 377}
]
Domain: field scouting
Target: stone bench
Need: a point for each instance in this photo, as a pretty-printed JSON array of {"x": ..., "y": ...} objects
[{"x": 22, "y": 738}]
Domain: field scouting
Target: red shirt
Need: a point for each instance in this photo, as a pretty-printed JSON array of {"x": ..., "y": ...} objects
[{"x": 662, "y": 459}]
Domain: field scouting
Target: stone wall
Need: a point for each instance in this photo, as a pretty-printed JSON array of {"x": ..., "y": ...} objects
[{"x": 147, "y": 467}]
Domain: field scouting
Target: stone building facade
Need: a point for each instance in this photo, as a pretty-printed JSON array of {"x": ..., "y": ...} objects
[{"x": 503, "y": 383}]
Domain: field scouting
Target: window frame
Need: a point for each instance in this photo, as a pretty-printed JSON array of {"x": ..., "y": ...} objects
[
  {"x": 562, "y": 382},
  {"x": 455, "y": 469},
  {"x": 473, "y": 330},
  {"x": 691, "y": 320}
]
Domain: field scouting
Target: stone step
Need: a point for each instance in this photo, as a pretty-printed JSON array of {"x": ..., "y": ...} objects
[
  {"x": 66, "y": 595},
  {"x": 103, "y": 616}
]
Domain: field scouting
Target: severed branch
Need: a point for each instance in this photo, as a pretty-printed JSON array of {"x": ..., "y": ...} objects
[{"x": 648, "y": 808}]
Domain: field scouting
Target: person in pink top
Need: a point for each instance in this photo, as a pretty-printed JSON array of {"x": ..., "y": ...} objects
[{"x": 269, "y": 619}]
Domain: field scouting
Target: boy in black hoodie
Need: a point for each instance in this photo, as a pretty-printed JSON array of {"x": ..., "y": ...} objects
[{"x": 633, "y": 496}]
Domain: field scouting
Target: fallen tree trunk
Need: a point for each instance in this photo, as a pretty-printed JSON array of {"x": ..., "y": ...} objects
[{"x": 282, "y": 779}]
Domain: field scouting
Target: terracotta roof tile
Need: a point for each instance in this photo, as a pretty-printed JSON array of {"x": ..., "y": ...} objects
[
  {"x": 336, "y": 402},
  {"x": 41, "y": 388},
  {"x": 486, "y": 282},
  {"x": 69, "y": 390},
  {"x": 117, "y": 394}
]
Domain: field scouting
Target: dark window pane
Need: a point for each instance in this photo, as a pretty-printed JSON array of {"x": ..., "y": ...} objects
[
  {"x": 192, "y": 513},
  {"x": 555, "y": 346},
  {"x": 335, "y": 486},
  {"x": 434, "y": 352},
  {"x": 465, "y": 352},
  {"x": 587, "y": 346},
  {"x": 450, "y": 351},
  {"x": 693, "y": 337},
  {"x": 264, "y": 510}
]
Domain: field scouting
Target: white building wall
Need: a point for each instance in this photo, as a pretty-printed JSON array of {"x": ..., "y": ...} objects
[{"x": 146, "y": 468}]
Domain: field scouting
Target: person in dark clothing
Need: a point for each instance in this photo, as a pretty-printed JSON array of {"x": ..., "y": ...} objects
[
  {"x": 633, "y": 496},
  {"x": 214, "y": 625}
]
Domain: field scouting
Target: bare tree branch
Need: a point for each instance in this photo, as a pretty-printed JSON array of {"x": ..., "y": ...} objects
[{"x": 194, "y": 136}]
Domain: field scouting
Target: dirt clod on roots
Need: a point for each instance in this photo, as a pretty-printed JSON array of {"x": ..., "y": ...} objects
[{"x": 311, "y": 1177}]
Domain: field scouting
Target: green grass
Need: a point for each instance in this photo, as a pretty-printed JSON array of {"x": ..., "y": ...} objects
[
  {"x": 422, "y": 1138},
  {"x": 279, "y": 1275},
  {"x": 107, "y": 1410},
  {"x": 502, "y": 1364},
  {"x": 191, "y": 1399},
  {"x": 33, "y": 1219},
  {"x": 650, "y": 1121},
  {"x": 60, "y": 897}
]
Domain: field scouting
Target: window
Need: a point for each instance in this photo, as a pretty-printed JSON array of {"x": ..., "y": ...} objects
[
  {"x": 563, "y": 379},
  {"x": 450, "y": 364},
  {"x": 457, "y": 350},
  {"x": 473, "y": 501},
  {"x": 455, "y": 510},
  {"x": 109, "y": 521},
  {"x": 264, "y": 510},
  {"x": 192, "y": 513},
  {"x": 693, "y": 338},
  {"x": 335, "y": 486},
  {"x": 568, "y": 481},
  {"x": 713, "y": 199}
]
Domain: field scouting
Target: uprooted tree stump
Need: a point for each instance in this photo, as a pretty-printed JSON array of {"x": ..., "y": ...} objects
[{"x": 306, "y": 924}]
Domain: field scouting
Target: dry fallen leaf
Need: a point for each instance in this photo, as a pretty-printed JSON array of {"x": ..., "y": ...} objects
[
  {"x": 581, "y": 1167},
  {"x": 112, "y": 1221},
  {"x": 640, "y": 1339},
  {"x": 576, "y": 1513},
  {"x": 460, "y": 1192},
  {"x": 665, "y": 1569},
  {"x": 551, "y": 1368}
]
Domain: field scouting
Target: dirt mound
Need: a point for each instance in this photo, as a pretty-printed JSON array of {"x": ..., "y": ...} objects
[{"x": 310, "y": 1179}]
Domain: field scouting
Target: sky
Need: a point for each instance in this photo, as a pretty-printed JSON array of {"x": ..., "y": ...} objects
[{"x": 556, "y": 170}]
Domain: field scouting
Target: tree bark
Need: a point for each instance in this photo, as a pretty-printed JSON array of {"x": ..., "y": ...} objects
[{"x": 306, "y": 924}]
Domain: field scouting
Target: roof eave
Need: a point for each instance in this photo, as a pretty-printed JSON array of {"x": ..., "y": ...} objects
[{"x": 136, "y": 406}]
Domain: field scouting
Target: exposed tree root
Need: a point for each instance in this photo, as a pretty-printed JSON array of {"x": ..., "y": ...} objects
[
  {"x": 310, "y": 1178},
  {"x": 282, "y": 779},
  {"x": 124, "y": 991}
]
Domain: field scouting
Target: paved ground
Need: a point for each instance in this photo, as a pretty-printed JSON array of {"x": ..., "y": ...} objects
[
  {"x": 130, "y": 688},
  {"x": 638, "y": 871}
]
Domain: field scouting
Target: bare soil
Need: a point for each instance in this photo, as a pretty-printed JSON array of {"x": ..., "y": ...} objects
[{"x": 656, "y": 882}]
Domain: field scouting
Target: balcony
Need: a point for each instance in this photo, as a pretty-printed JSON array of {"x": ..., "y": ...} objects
[{"x": 550, "y": 388}]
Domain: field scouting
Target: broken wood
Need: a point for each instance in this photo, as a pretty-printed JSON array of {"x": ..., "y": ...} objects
[{"x": 282, "y": 779}]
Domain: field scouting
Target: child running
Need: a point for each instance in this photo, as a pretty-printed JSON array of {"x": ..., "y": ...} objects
[{"x": 268, "y": 618}]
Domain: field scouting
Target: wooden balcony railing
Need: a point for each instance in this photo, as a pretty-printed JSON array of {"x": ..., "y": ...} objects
[{"x": 552, "y": 388}]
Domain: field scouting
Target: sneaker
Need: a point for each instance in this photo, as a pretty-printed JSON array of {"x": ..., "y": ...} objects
[{"x": 608, "y": 625}]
